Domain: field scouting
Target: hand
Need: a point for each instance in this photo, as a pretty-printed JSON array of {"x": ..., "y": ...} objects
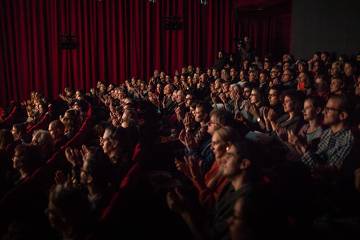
[
  {"x": 175, "y": 201},
  {"x": 222, "y": 97},
  {"x": 59, "y": 177},
  {"x": 271, "y": 115},
  {"x": 182, "y": 167},
  {"x": 254, "y": 111},
  {"x": 194, "y": 167},
  {"x": 292, "y": 138},
  {"x": 73, "y": 156}
]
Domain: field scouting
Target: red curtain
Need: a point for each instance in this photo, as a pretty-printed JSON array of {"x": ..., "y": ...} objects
[
  {"x": 268, "y": 26},
  {"x": 115, "y": 40}
]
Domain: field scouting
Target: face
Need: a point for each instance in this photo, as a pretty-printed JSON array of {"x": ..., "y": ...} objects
[
  {"x": 55, "y": 132},
  {"x": 15, "y": 133},
  {"x": 274, "y": 73},
  {"x": 213, "y": 125},
  {"x": 218, "y": 146},
  {"x": 247, "y": 93},
  {"x": 199, "y": 114},
  {"x": 273, "y": 97},
  {"x": 332, "y": 112},
  {"x": 309, "y": 111},
  {"x": 188, "y": 100},
  {"x": 286, "y": 77},
  {"x": 252, "y": 77},
  {"x": 180, "y": 96},
  {"x": 335, "y": 85},
  {"x": 348, "y": 69},
  {"x": 231, "y": 162},
  {"x": 225, "y": 87},
  {"x": 262, "y": 78},
  {"x": 107, "y": 144},
  {"x": 232, "y": 72},
  {"x": 288, "y": 105},
  {"x": 254, "y": 97}
]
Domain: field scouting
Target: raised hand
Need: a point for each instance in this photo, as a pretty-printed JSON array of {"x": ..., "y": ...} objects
[
  {"x": 176, "y": 201},
  {"x": 292, "y": 138},
  {"x": 73, "y": 156}
]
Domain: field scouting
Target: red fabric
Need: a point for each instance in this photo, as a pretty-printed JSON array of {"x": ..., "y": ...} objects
[
  {"x": 209, "y": 196},
  {"x": 128, "y": 181},
  {"x": 268, "y": 24},
  {"x": 116, "y": 40},
  {"x": 43, "y": 123}
]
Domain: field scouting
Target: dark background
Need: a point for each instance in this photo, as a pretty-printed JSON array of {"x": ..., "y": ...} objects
[{"x": 325, "y": 25}]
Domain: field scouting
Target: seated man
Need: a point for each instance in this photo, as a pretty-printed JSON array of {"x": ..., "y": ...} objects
[
  {"x": 57, "y": 132},
  {"x": 337, "y": 141}
]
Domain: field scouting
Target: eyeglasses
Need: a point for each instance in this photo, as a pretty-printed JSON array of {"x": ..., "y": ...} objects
[{"x": 328, "y": 109}]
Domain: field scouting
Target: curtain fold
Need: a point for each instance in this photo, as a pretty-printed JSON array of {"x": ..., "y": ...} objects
[{"x": 116, "y": 39}]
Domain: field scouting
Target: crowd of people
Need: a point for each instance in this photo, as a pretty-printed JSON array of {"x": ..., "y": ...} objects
[{"x": 246, "y": 149}]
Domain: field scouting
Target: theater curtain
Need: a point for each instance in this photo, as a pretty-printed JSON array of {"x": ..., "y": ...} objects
[{"x": 115, "y": 40}]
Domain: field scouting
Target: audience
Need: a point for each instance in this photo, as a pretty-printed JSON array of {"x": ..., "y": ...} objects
[{"x": 252, "y": 139}]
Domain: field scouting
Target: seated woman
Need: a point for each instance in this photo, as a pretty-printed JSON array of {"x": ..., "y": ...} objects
[
  {"x": 242, "y": 170},
  {"x": 210, "y": 185},
  {"x": 309, "y": 135},
  {"x": 255, "y": 112},
  {"x": 292, "y": 119},
  {"x": 26, "y": 160}
]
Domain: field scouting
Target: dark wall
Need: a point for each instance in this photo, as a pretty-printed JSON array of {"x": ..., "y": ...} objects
[{"x": 325, "y": 25}]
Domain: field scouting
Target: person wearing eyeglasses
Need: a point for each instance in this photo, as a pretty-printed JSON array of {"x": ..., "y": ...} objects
[{"x": 337, "y": 141}]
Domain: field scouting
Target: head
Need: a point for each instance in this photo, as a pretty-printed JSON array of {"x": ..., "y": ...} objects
[
  {"x": 263, "y": 77},
  {"x": 219, "y": 118},
  {"x": 348, "y": 69},
  {"x": 188, "y": 99},
  {"x": 56, "y": 129},
  {"x": 274, "y": 73},
  {"x": 113, "y": 141},
  {"x": 255, "y": 96},
  {"x": 274, "y": 96},
  {"x": 336, "y": 85},
  {"x": 336, "y": 110},
  {"x": 287, "y": 76},
  {"x": 236, "y": 160},
  {"x": 291, "y": 102},
  {"x": 233, "y": 72},
  {"x": 321, "y": 84},
  {"x": 252, "y": 76},
  {"x": 18, "y": 131},
  {"x": 69, "y": 120},
  {"x": 222, "y": 138},
  {"x": 96, "y": 170},
  {"x": 312, "y": 108},
  {"x": 202, "y": 112},
  {"x": 247, "y": 92},
  {"x": 26, "y": 158},
  {"x": 180, "y": 97},
  {"x": 235, "y": 91},
  {"x": 43, "y": 140}
]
